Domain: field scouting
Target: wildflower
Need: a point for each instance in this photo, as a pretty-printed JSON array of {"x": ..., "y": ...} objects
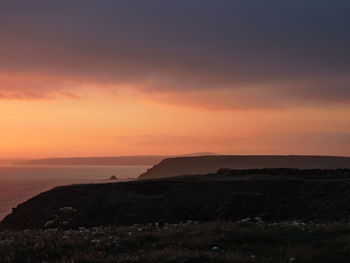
[{"x": 295, "y": 223}]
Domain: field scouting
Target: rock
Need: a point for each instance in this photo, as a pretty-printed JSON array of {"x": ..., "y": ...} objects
[
  {"x": 68, "y": 209},
  {"x": 50, "y": 223}
]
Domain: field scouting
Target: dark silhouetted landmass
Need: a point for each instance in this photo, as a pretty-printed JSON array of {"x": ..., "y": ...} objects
[
  {"x": 10, "y": 161},
  {"x": 210, "y": 164},
  {"x": 110, "y": 160},
  {"x": 118, "y": 160},
  {"x": 271, "y": 194}
]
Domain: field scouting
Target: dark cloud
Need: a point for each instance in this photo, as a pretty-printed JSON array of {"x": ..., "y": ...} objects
[{"x": 296, "y": 51}]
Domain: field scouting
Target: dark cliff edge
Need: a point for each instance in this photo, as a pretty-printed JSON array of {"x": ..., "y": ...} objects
[
  {"x": 210, "y": 164},
  {"x": 272, "y": 194}
]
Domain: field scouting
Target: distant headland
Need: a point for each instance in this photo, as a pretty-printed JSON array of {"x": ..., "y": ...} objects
[
  {"x": 209, "y": 164},
  {"x": 105, "y": 160}
]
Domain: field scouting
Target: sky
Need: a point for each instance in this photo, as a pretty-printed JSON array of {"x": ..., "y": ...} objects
[{"x": 135, "y": 77}]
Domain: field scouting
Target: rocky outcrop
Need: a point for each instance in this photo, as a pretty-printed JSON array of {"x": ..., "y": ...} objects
[
  {"x": 209, "y": 164},
  {"x": 272, "y": 194}
]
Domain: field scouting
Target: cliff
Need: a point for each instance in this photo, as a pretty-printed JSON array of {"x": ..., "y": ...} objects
[{"x": 209, "y": 164}]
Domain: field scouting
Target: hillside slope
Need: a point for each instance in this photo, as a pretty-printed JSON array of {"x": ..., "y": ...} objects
[{"x": 272, "y": 194}]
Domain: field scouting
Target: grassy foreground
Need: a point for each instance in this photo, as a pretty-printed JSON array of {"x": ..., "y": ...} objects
[{"x": 244, "y": 241}]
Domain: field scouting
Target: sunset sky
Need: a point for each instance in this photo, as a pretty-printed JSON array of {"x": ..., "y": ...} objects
[{"x": 136, "y": 77}]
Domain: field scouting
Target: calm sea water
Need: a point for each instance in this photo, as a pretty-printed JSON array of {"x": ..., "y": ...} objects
[{"x": 18, "y": 183}]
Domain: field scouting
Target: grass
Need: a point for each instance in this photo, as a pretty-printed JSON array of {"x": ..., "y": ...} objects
[{"x": 253, "y": 241}]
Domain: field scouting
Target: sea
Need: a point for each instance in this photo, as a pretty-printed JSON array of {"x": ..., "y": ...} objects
[{"x": 19, "y": 183}]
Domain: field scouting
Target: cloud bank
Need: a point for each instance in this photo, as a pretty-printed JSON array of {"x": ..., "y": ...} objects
[{"x": 243, "y": 54}]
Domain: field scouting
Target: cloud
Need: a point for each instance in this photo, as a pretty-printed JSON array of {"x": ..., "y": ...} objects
[
  {"x": 214, "y": 54},
  {"x": 34, "y": 87}
]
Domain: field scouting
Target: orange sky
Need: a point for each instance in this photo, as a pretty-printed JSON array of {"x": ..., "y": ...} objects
[{"x": 101, "y": 123}]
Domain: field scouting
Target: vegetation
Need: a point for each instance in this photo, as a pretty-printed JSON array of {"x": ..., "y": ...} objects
[{"x": 249, "y": 240}]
